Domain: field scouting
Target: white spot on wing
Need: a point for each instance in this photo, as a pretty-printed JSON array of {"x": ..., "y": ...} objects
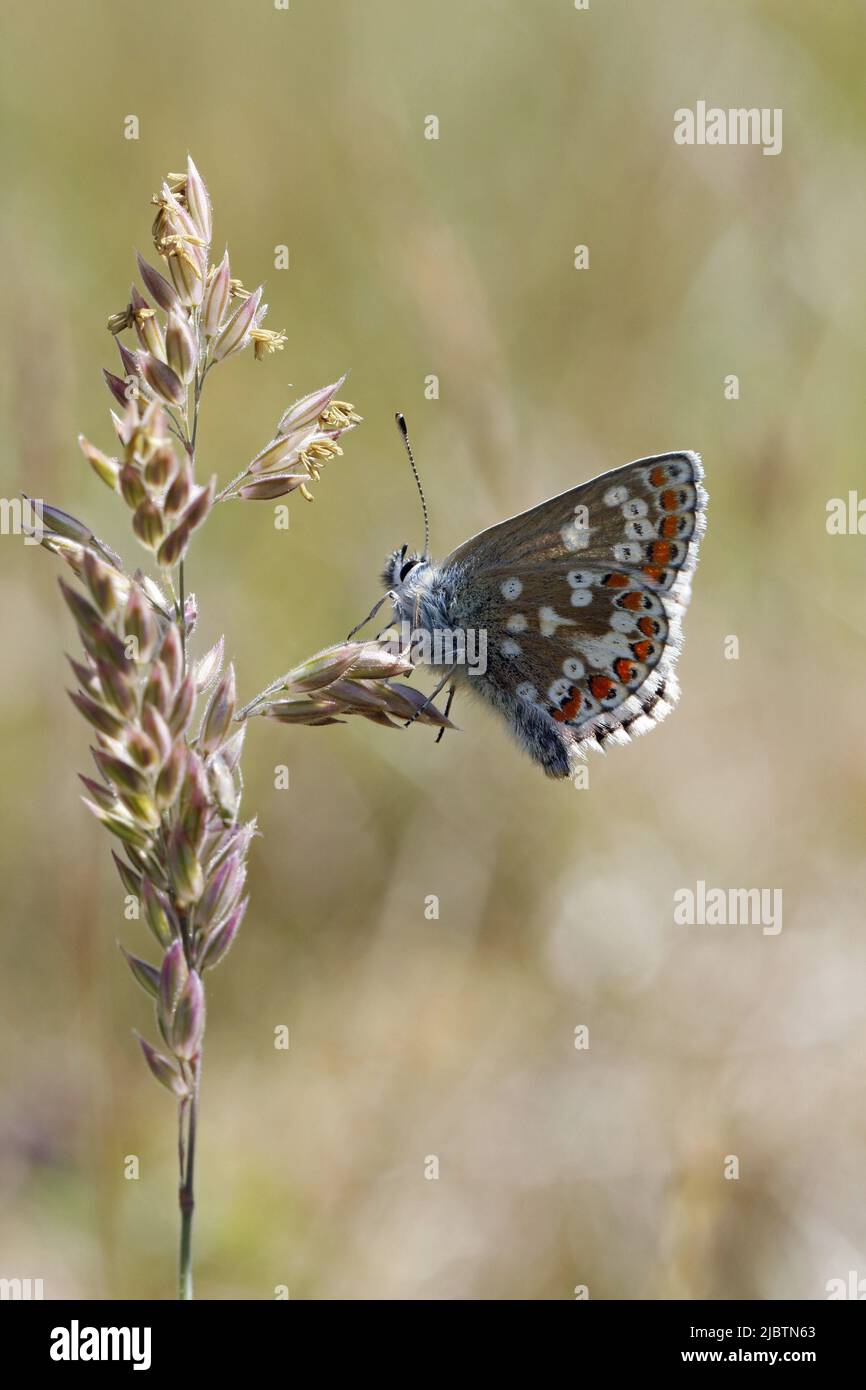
[
  {"x": 634, "y": 508},
  {"x": 628, "y": 554},
  {"x": 575, "y": 537},
  {"x": 511, "y": 588},
  {"x": 601, "y": 651},
  {"x": 558, "y": 691},
  {"x": 615, "y": 496},
  {"x": 640, "y": 530},
  {"x": 518, "y": 622},
  {"x": 549, "y": 620}
]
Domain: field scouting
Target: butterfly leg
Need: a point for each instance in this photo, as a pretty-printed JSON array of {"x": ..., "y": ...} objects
[
  {"x": 448, "y": 703},
  {"x": 372, "y": 613},
  {"x": 432, "y": 696}
]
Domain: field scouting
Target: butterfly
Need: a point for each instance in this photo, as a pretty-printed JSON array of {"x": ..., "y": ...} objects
[{"x": 580, "y": 601}]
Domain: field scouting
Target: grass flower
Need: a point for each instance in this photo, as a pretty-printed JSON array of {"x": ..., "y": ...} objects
[{"x": 166, "y": 732}]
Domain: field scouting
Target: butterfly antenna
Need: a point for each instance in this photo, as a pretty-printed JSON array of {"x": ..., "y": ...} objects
[{"x": 401, "y": 425}]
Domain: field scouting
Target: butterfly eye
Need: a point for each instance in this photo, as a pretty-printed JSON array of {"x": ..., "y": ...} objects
[{"x": 404, "y": 569}]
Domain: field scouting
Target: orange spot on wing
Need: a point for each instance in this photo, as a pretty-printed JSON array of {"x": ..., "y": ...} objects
[
  {"x": 601, "y": 686},
  {"x": 616, "y": 581},
  {"x": 642, "y": 650},
  {"x": 632, "y": 601},
  {"x": 647, "y": 626},
  {"x": 572, "y": 706},
  {"x": 624, "y": 669},
  {"x": 653, "y": 571},
  {"x": 659, "y": 475},
  {"x": 669, "y": 501},
  {"x": 661, "y": 552},
  {"x": 670, "y": 525}
]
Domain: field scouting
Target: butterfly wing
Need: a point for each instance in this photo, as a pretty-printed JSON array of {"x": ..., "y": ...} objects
[{"x": 582, "y": 599}]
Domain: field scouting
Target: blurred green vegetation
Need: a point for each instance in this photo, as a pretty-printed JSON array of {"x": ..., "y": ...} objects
[{"x": 409, "y": 1037}]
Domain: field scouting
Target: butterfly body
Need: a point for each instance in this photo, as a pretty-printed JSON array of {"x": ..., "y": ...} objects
[{"x": 579, "y": 602}]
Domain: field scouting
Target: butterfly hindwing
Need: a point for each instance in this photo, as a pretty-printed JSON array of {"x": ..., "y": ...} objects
[{"x": 582, "y": 599}]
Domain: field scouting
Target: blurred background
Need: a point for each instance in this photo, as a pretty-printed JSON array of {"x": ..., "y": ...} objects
[{"x": 454, "y": 258}]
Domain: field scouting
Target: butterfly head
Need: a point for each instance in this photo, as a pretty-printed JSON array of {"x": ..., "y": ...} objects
[
  {"x": 403, "y": 565},
  {"x": 399, "y": 566}
]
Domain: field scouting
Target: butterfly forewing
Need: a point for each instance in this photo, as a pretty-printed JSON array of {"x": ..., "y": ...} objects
[{"x": 582, "y": 598}]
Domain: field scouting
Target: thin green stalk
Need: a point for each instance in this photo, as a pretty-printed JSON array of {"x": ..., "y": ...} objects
[
  {"x": 222, "y": 495},
  {"x": 182, "y": 612},
  {"x": 187, "y": 1111},
  {"x": 187, "y": 1115}
]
